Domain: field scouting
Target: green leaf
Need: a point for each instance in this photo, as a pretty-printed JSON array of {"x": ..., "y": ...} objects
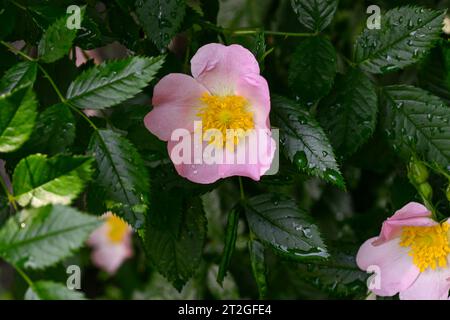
[
  {"x": 17, "y": 116},
  {"x": 48, "y": 290},
  {"x": 160, "y": 19},
  {"x": 122, "y": 177},
  {"x": 312, "y": 69},
  {"x": 21, "y": 74},
  {"x": 38, "y": 180},
  {"x": 349, "y": 114},
  {"x": 54, "y": 131},
  {"x": 278, "y": 222},
  {"x": 406, "y": 34},
  {"x": 174, "y": 237},
  {"x": 316, "y": 15},
  {"x": 112, "y": 82},
  {"x": 230, "y": 243},
  {"x": 339, "y": 276},
  {"x": 418, "y": 121},
  {"x": 56, "y": 41},
  {"x": 257, "y": 259},
  {"x": 40, "y": 237},
  {"x": 227, "y": 290},
  {"x": 304, "y": 141},
  {"x": 435, "y": 72}
]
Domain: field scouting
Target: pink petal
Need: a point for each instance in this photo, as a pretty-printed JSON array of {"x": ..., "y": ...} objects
[
  {"x": 413, "y": 214},
  {"x": 255, "y": 89},
  {"x": 392, "y": 264},
  {"x": 99, "y": 236},
  {"x": 204, "y": 173},
  {"x": 198, "y": 173},
  {"x": 110, "y": 257},
  {"x": 219, "y": 67},
  {"x": 430, "y": 285},
  {"x": 253, "y": 169},
  {"x": 176, "y": 99}
]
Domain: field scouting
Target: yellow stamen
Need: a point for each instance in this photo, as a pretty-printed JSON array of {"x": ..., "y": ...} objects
[
  {"x": 117, "y": 228},
  {"x": 225, "y": 113},
  {"x": 429, "y": 246}
]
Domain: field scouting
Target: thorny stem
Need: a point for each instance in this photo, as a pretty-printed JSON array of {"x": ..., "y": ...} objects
[{"x": 246, "y": 31}]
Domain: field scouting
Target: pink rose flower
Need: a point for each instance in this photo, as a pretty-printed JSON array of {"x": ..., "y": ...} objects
[
  {"x": 226, "y": 92},
  {"x": 410, "y": 256},
  {"x": 111, "y": 243}
]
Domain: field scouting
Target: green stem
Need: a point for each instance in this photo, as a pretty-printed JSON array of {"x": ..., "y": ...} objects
[
  {"x": 53, "y": 84},
  {"x": 348, "y": 61},
  {"x": 287, "y": 34},
  {"x": 241, "y": 188},
  {"x": 64, "y": 100},
  {"x": 24, "y": 276},
  {"x": 436, "y": 168},
  {"x": 82, "y": 114},
  {"x": 247, "y": 31},
  {"x": 18, "y": 5},
  {"x": 20, "y": 53}
]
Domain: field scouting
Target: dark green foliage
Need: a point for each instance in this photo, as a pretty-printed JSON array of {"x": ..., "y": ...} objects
[{"x": 364, "y": 128}]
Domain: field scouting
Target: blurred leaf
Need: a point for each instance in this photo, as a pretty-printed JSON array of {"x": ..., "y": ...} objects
[
  {"x": 39, "y": 180},
  {"x": 122, "y": 178},
  {"x": 316, "y": 15},
  {"x": 48, "y": 290},
  {"x": 161, "y": 19},
  {"x": 195, "y": 5},
  {"x": 54, "y": 131},
  {"x": 304, "y": 141},
  {"x": 113, "y": 82},
  {"x": 40, "y": 237},
  {"x": 21, "y": 74},
  {"x": 349, "y": 114},
  {"x": 312, "y": 69},
  {"x": 256, "y": 251},
  {"x": 174, "y": 236},
  {"x": 418, "y": 121},
  {"x": 56, "y": 41},
  {"x": 406, "y": 34},
  {"x": 277, "y": 221},
  {"x": 230, "y": 242},
  {"x": 17, "y": 116}
]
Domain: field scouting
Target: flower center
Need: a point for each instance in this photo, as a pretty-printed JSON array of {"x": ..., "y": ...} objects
[
  {"x": 225, "y": 113},
  {"x": 117, "y": 228},
  {"x": 429, "y": 246}
]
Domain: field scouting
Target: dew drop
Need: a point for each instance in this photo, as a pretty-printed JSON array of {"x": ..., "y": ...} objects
[{"x": 300, "y": 160}]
